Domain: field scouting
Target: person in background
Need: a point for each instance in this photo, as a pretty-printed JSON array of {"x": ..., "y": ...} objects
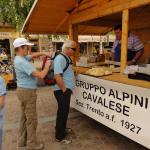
[
  {"x": 135, "y": 47},
  {"x": 27, "y": 75},
  {"x": 65, "y": 83},
  {"x": 3, "y": 56},
  {"x": 2, "y": 98}
]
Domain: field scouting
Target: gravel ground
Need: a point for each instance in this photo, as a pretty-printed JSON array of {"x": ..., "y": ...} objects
[{"x": 88, "y": 134}]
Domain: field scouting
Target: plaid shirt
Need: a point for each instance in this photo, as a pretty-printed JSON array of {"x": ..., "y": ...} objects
[{"x": 134, "y": 43}]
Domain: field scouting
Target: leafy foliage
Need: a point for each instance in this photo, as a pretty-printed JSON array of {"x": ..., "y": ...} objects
[{"x": 15, "y": 11}]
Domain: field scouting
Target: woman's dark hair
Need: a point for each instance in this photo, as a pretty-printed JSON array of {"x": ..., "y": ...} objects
[{"x": 119, "y": 26}]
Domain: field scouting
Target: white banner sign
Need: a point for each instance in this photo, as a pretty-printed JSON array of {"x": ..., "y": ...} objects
[{"x": 123, "y": 108}]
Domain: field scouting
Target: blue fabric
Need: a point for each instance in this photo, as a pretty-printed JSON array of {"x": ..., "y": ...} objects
[
  {"x": 68, "y": 75},
  {"x": 24, "y": 69},
  {"x": 130, "y": 55},
  {"x": 118, "y": 52},
  {"x": 2, "y": 87},
  {"x": 1, "y": 125},
  {"x": 1, "y": 136},
  {"x": 2, "y": 93}
]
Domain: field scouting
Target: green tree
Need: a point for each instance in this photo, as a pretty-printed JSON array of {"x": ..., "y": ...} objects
[{"x": 15, "y": 11}]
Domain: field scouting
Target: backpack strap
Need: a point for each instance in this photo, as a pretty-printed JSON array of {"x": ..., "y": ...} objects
[
  {"x": 44, "y": 61},
  {"x": 56, "y": 53},
  {"x": 68, "y": 61}
]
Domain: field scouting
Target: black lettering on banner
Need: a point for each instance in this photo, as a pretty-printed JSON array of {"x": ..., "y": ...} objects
[
  {"x": 79, "y": 103},
  {"x": 113, "y": 116},
  {"x": 111, "y": 105},
  {"x": 126, "y": 110},
  {"x": 102, "y": 90},
  {"x": 100, "y": 101},
  {"x": 117, "y": 96},
  {"x": 118, "y": 107},
  {"x": 105, "y": 105},
  {"x": 77, "y": 83},
  {"x": 125, "y": 96},
  {"x": 138, "y": 101},
  {"x": 111, "y": 93},
  {"x": 84, "y": 95},
  {"x": 102, "y": 114},
  {"x": 107, "y": 116},
  {"x": 86, "y": 86},
  {"x": 81, "y": 84},
  {"x": 146, "y": 103},
  {"x": 94, "y": 98},
  {"x": 89, "y": 97},
  {"x": 91, "y": 86},
  {"x": 96, "y": 88},
  {"x": 130, "y": 126},
  {"x": 133, "y": 99}
]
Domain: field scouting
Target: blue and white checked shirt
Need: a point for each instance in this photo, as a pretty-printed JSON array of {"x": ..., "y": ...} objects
[{"x": 134, "y": 43}]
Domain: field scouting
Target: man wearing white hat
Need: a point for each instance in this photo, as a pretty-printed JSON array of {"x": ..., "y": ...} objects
[{"x": 27, "y": 75}]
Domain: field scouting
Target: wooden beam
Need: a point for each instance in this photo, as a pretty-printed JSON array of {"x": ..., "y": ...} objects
[
  {"x": 143, "y": 14},
  {"x": 67, "y": 16},
  {"x": 102, "y": 22},
  {"x": 70, "y": 31},
  {"x": 61, "y": 23},
  {"x": 73, "y": 35},
  {"x": 107, "y": 8},
  {"x": 124, "y": 41}
]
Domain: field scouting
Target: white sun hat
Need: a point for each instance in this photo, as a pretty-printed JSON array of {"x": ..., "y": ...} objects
[{"x": 20, "y": 42}]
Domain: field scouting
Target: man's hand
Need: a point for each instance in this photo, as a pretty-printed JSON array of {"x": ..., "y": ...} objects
[
  {"x": 48, "y": 63},
  {"x": 43, "y": 73},
  {"x": 60, "y": 82},
  {"x": 64, "y": 90},
  {"x": 130, "y": 63},
  {"x": 136, "y": 58}
]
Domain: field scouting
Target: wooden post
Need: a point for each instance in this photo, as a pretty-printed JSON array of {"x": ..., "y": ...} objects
[
  {"x": 124, "y": 41},
  {"x": 73, "y": 35},
  {"x": 39, "y": 44}
]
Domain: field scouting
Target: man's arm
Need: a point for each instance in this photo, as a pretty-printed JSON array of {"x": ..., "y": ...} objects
[
  {"x": 59, "y": 65},
  {"x": 137, "y": 57},
  {"x": 38, "y": 54},
  {"x": 139, "y": 47},
  {"x": 60, "y": 82},
  {"x": 43, "y": 73}
]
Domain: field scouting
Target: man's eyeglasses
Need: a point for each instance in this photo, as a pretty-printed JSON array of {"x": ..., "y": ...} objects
[{"x": 74, "y": 49}]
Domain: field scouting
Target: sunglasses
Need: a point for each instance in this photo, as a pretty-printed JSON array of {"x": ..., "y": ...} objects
[{"x": 74, "y": 49}]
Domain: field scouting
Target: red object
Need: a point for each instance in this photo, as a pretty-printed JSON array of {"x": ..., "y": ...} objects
[{"x": 44, "y": 61}]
